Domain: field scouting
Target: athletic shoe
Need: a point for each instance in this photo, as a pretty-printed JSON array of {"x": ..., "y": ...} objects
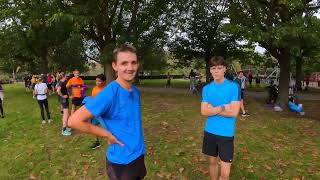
[
  {"x": 49, "y": 121},
  {"x": 95, "y": 145},
  {"x": 65, "y": 132},
  {"x": 245, "y": 114},
  {"x": 69, "y": 129},
  {"x": 43, "y": 121}
]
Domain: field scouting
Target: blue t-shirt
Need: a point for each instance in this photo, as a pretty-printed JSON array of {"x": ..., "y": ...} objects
[
  {"x": 217, "y": 95},
  {"x": 120, "y": 111}
]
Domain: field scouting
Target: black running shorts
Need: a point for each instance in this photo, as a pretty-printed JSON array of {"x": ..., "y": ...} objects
[
  {"x": 214, "y": 145},
  {"x": 135, "y": 170},
  {"x": 77, "y": 101}
]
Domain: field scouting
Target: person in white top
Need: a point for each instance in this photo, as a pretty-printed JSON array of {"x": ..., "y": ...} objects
[
  {"x": 40, "y": 92},
  {"x": 242, "y": 83}
]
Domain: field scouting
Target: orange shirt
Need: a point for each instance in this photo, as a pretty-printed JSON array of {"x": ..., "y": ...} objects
[
  {"x": 96, "y": 90},
  {"x": 75, "y": 84}
]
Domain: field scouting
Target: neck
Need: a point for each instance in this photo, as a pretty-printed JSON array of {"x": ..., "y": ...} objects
[
  {"x": 219, "y": 80},
  {"x": 123, "y": 83}
]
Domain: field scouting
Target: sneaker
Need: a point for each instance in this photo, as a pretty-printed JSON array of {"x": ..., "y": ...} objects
[
  {"x": 245, "y": 114},
  {"x": 65, "y": 132},
  {"x": 95, "y": 145},
  {"x": 43, "y": 121},
  {"x": 49, "y": 121},
  {"x": 69, "y": 129}
]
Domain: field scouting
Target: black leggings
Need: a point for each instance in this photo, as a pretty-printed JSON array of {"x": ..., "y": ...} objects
[
  {"x": 44, "y": 103},
  {"x": 1, "y": 108}
]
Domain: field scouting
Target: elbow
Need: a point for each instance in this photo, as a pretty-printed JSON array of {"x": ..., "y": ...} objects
[{"x": 204, "y": 113}]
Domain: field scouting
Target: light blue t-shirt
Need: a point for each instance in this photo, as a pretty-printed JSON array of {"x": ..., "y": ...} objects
[
  {"x": 217, "y": 95},
  {"x": 120, "y": 111}
]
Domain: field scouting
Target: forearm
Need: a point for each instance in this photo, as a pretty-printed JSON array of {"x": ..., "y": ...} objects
[
  {"x": 89, "y": 128},
  {"x": 228, "y": 113},
  {"x": 211, "y": 111}
]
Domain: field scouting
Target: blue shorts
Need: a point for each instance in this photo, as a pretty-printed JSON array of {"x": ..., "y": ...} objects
[{"x": 97, "y": 121}]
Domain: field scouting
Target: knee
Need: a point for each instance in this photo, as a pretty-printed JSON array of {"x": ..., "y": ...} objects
[
  {"x": 224, "y": 174},
  {"x": 213, "y": 162}
]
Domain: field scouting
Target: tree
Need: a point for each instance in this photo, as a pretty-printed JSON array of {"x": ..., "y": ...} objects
[
  {"x": 38, "y": 26},
  {"x": 108, "y": 23},
  {"x": 198, "y": 32},
  {"x": 307, "y": 47},
  {"x": 274, "y": 26}
]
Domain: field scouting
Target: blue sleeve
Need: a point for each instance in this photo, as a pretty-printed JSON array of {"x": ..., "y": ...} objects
[
  {"x": 205, "y": 95},
  {"x": 100, "y": 105},
  {"x": 236, "y": 93}
]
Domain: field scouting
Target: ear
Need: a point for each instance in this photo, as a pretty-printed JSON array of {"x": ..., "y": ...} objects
[{"x": 114, "y": 66}]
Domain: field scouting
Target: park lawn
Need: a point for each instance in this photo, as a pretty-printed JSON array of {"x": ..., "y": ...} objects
[
  {"x": 267, "y": 145},
  {"x": 176, "y": 83}
]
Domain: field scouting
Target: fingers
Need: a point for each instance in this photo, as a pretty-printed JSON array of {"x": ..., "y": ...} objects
[{"x": 118, "y": 142}]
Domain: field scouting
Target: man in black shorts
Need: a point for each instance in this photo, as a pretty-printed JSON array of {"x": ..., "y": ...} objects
[
  {"x": 64, "y": 101},
  {"x": 221, "y": 103}
]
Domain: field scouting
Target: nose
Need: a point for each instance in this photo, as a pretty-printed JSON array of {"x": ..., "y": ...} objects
[{"x": 130, "y": 67}]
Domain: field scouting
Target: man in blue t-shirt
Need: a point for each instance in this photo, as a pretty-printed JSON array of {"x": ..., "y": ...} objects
[
  {"x": 221, "y": 103},
  {"x": 118, "y": 104}
]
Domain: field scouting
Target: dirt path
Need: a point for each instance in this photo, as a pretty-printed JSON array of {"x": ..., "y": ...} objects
[{"x": 254, "y": 94}]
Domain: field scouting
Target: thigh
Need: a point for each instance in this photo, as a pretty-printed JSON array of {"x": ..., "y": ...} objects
[
  {"x": 45, "y": 102},
  {"x": 40, "y": 102},
  {"x": 210, "y": 146},
  {"x": 77, "y": 101},
  {"x": 225, "y": 149}
]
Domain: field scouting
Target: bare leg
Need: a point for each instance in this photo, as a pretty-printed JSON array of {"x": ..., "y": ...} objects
[
  {"x": 242, "y": 107},
  {"x": 213, "y": 167},
  {"x": 225, "y": 171},
  {"x": 73, "y": 108},
  {"x": 65, "y": 117}
]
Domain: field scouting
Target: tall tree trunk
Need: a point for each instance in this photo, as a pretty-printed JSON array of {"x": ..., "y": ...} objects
[
  {"x": 299, "y": 63},
  {"x": 284, "y": 62},
  {"x": 109, "y": 72},
  {"x": 208, "y": 74}
]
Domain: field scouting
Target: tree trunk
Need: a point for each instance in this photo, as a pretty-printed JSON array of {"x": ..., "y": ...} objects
[
  {"x": 284, "y": 62},
  {"x": 208, "y": 74},
  {"x": 299, "y": 63},
  {"x": 109, "y": 72}
]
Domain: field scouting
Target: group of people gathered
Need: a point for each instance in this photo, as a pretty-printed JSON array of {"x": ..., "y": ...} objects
[
  {"x": 117, "y": 108},
  {"x": 67, "y": 87}
]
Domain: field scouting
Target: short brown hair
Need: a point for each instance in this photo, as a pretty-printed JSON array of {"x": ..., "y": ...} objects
[
  {"x": 123, "y": 48},
  {"x": 217, "y": 61}
]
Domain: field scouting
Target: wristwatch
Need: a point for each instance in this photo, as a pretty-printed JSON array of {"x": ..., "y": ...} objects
[{"x": 223, "y": 108}]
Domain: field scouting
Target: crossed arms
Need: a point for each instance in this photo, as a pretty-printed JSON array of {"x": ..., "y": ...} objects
[{"x": 229, "y": 110}]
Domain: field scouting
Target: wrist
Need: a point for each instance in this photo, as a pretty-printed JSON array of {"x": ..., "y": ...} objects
[{"x": 222, "y": 108}]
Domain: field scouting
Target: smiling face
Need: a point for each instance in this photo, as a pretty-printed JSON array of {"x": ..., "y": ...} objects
[
  {"x": 126, "y": 65},
  {"x": 217, "y": 72},
  {"x": 76, "y": 73},
  {"x": 100, "y": 83}
]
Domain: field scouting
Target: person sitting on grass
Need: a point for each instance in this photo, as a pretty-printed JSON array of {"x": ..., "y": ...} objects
[{"x": 295, "y": 106}]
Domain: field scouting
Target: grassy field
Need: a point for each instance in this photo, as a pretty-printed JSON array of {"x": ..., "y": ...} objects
[{"x": 267, "y": 145}]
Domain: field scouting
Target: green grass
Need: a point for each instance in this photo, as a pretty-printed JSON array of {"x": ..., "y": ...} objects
[{"x": 267, "y": 145}]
